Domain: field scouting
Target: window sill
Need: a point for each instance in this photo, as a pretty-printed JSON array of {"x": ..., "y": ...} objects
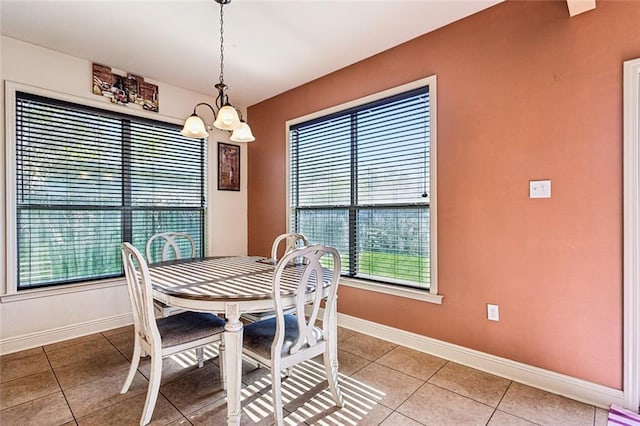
[
  {"x": 407, "y": 293},
  {"x": 60, "y": 290}
]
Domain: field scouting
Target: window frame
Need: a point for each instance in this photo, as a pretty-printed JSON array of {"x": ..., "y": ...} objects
[
  {"x": 432, "y": 294},
  {"x": 9, "y": 291}
]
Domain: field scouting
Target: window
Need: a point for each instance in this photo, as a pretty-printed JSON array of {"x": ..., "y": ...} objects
[
  {"x": 360, "y": 180},
  {"x": 88, "y": 179}
]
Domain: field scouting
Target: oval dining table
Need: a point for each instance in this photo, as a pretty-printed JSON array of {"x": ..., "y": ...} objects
[{"x": 229, "y": 285}]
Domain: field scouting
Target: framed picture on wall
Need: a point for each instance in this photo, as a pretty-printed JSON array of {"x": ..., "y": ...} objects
[{"x": 228, "y": 167}]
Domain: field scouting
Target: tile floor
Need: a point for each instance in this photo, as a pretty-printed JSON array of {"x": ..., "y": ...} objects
[{"x": 77, "y": 382}]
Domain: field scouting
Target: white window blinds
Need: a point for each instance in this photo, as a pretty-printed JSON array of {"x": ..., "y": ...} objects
[
  {"x": 359, "y": 181},
  {"x": 88, "y": 179}
]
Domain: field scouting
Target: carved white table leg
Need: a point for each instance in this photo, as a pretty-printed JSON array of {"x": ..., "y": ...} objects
[{"x": 233, "y": 362}]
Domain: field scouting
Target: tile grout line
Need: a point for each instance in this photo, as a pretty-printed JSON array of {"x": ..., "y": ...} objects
[
  {"x": 91, "y": 381},
  {"x": 511, "y": 382},
  {"x": 595, "y": 414},
  {"x": 424, "y": 382},
  {"x": 64, "y": 395},
  {"x": 410, "y": 375},
  {"x": 395, "y": 410},
  {"x": 463, "y": 396},
  {"x": 468, "y": 397},
  {"x": 500, "y": 401},
  {"x": 142, "y": 374},
  {"x": 358, "y": 370},
  {"x": 33, "y": 399}
]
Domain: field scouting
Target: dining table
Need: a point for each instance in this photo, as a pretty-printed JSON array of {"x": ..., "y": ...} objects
[{"x": 232, "y": 286}]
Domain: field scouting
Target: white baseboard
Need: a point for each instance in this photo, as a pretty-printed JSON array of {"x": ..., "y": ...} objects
[
  {"x": 39, "y": 338},
  {"x": 577, "y": 389}
]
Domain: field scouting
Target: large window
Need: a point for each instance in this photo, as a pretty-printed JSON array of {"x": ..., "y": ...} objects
[
  {"x": 88, "y": 179},
  {"x": 360, "y": 180}
]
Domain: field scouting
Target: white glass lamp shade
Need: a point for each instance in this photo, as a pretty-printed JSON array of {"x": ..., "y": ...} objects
[
  {"x": 227, "y": 119},
  {"x": 194, "y": 128},
  {"x": 242, "y": 133}
]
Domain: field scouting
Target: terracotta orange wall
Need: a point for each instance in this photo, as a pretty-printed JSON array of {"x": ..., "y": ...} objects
[{"x": 524, "y": 92}]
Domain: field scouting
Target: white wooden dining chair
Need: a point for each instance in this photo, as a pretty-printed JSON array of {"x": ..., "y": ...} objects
[
  {"x": 164, "y": 337},
  {"x": 291, "y": 240},
  {"x": 171, "y": 242},
  {"x": 281, "y": 342}
]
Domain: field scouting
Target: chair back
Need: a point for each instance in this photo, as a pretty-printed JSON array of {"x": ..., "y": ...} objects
[
  {"x": 321, "y": 280},
  {"x": 291, "y": 243},
  {"x": 170, "y": 243},
  {"x": 136, "y": 272}
]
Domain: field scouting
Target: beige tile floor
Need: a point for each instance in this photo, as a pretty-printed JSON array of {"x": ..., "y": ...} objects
[{"x": 77, "y": 382}]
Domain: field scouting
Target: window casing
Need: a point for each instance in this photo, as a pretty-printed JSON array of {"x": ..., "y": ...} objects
[
  {"x": 87, "y": 179},
  {"x": 361, "y": 178}
]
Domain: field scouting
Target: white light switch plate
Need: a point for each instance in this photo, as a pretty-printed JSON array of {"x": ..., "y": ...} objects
[
  {"x": 493, "y": 313},
  {"x": 539, "y": 189}
]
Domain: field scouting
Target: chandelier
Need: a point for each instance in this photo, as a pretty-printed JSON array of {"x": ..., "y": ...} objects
[{"x": 227, "y": 117}]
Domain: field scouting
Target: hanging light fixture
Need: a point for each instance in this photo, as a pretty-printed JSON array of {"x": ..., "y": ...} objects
[{"x": 227, "y": 116}]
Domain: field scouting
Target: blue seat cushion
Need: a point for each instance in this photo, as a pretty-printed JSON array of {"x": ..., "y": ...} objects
[
  {"x": 258, "y": 336},
  {"x": 188, "y": 327}
]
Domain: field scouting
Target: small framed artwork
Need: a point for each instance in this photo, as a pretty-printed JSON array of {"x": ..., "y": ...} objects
[{"x": 228, "y": 167}]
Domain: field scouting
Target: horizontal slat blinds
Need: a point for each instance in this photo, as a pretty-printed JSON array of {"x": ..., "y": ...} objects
[
  {"x": 324, "y": 163},
  {"x": 147, "y": 222},
  {"x": 89, "y": 179},
  {"x": 165, "y": 170},
  {"x": 61, "y": 246},
  {"x": 359, "y": 181},
  {"x": 329, "y": 227},
  {"x": 392, "y": 152},
  {"x": 393, "y": 243},
  {"x": 66, "y": 157}
]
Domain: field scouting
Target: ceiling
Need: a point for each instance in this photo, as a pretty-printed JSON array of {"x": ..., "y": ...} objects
[{"x": 270, "y": 45}]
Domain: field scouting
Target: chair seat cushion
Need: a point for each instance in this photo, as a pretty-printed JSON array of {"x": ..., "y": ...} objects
[
  {"x": 188, "y": 327},
  {"x": 259, "y": 316},
  {"x": 258, "y": 336}
]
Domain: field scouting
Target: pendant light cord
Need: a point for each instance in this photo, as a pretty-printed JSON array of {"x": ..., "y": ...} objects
[{"x": 221, "y": 44}]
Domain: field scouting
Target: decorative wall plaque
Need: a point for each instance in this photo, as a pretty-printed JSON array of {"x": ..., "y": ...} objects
[{"x": 124, "y": 89}]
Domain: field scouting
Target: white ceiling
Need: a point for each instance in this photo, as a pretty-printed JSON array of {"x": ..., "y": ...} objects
[{"x": 270, "y": 45}]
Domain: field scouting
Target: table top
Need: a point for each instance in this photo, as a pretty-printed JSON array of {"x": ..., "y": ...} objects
[{"x": 222, "y": 278}]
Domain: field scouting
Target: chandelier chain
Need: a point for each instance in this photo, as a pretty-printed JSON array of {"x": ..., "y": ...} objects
[
  {"x": 221, "y": 44},
  {"x": 226, "y": 116}
]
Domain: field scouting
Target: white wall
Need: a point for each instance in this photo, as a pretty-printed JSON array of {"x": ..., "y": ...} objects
[{"x": 37, "y": 317}]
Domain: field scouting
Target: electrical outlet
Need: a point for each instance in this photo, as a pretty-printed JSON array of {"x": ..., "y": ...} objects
[{"x": 493, "y": 314}]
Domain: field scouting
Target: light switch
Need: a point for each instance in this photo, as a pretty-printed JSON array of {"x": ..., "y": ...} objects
[
  {"x": 539, "y": 189},
  {"x": 493, "y": 314}
]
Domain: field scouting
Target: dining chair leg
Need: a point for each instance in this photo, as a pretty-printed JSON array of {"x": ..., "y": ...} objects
[
  {"x": 152, "y": 390},
  {"x": 276, "y": 388},
  {"x": 331, "y": 355},
  {"x": 135, "y": 360},
  {"x": 331, "y": 370},
  {"x": 200, "y": 356}
]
